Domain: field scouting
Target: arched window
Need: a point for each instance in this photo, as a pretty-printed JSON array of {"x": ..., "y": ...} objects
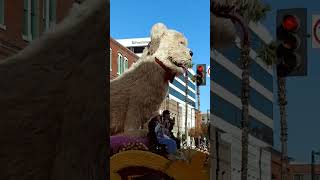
[
  {"x": 110, "y": 58},
  {"x": 120, "y": 63},
  {"x": 126, "y": 63}
]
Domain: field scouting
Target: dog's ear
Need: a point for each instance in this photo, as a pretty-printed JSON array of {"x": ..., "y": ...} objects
[
  {"x": 153, "y": 46},
  {"x": 158, "y": 30}
]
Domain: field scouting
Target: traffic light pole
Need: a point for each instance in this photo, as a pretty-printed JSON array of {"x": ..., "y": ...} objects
[
  {"x": 283, "y": 119},
  {"x": 312, "y": 166},
  {"x": 186, "y": 108},
  {"x": 292, "y": 61},
  {"x": 199, "y": 112}
]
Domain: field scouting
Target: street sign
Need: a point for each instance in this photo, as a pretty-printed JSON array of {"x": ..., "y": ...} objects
[
  {"x": 208, "y": 71},
  {"x": 316, "y": 31}
]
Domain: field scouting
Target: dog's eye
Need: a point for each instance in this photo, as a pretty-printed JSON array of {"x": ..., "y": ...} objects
[{"x": 181, "y": 43}]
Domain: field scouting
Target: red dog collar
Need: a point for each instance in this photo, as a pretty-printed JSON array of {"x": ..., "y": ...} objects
[{"x": 169, "y": 75}]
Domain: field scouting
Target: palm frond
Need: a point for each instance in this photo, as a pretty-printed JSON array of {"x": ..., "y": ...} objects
[
  {"x": 268, "y": 53},
  {"x": 253, "y": 10}
]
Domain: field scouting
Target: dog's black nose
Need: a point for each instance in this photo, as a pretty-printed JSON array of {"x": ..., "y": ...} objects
[{"x": 191, "y": 53}]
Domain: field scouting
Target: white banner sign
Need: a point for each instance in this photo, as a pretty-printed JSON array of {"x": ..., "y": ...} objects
[
  {"x": 208, "y": 71},
  {"x": 316, "y": 31}
]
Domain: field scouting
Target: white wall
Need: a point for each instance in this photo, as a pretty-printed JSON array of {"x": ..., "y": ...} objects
[{"x": 233, "y": 136}]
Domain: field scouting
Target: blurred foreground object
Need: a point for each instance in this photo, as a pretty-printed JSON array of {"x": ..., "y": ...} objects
[{"x": 53, "y": 102}]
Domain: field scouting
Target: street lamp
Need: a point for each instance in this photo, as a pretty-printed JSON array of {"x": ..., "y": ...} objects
[{"x": 313, "y": 153}]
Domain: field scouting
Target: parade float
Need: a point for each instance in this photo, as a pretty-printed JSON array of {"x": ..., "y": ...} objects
[{"x": 132, "y": 158}]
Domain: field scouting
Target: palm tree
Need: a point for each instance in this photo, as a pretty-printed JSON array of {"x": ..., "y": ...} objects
[
  {"x": 222, "y": 28},
  {"x": 268, "y": 55},
  {"x": 242, "y": 12}
]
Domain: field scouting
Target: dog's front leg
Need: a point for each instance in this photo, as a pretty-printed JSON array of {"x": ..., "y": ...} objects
[{"x": 133, "y": 122}]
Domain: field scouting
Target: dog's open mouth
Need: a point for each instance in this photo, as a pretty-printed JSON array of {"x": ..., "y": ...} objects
[{"x": 183, "y": 66}]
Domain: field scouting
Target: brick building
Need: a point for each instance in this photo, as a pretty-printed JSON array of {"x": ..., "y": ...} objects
[
  {"x": 276, "y": 165},
  {"x": 303, "y": 172},
  {"x": 294, "y": 171},
  {"x": 22, "y": 21},
  {"x": 121, "y": 58}
]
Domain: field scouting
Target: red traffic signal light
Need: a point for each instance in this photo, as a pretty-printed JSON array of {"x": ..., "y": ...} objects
[
  {"x": 200, "y": 77},
  {"x": 290, "y": 23},
  {"x": 200, "y": 68},
  {"x": 291, "y": 37}
]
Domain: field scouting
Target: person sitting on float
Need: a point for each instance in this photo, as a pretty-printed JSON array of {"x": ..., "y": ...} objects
[{"x": 157, "y": 130}]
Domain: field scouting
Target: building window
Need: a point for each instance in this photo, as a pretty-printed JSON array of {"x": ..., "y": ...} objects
[
  {"x": 49, "y": 13},
  {"x": 232, "y": 83},
  {"x": 181, "y": 97},
  {"x": 120, "y": 64},
  {"x": 126, "y": 64},
  {"x": 183, "y": 88},
  {"x": 2, "y": 14},
  {"x": 232, "y": 114},
  {"x": 30, "y": 17},
  {"x": 110, "y": 59},
  {"x": 138, "y": 49}
]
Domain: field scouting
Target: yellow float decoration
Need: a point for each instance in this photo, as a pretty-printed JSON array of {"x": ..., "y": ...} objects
[{"x": 193, "y": 169}]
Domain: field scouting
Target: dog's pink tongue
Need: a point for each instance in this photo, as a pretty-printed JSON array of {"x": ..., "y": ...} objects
[{"x": 183, "y": 67}]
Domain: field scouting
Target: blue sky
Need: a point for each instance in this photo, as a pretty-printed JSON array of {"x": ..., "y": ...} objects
[
  {"x": 303, "y": 93},
  {"x": 134, "y": 19}
]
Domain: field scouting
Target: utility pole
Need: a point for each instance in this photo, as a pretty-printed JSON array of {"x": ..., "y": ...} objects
[
  {"x": 313, "y": 154},
  {"x": 312, "y": 165},
  {"x": 260, "y": 168}
]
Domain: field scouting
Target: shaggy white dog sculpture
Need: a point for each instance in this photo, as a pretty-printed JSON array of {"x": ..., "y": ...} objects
[{"x": 139, "y": 92}]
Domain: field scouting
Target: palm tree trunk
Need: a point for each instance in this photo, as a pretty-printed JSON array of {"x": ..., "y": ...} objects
[
  {"x": 245, "y": 61},
  {"x": 186, "y": 106},
  {"x": 283, "y": 124},
  {"x": 245, "y": 109}
]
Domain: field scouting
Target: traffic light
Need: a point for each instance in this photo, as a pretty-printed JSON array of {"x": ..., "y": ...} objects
[
  {"x": 292, "y": 39},
  {"x": 201, "y": 75}
]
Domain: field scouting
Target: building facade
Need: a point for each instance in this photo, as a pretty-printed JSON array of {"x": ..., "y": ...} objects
[
  {"x": 276, "y": 164},
  {"x": 295, "y": 171},
  {"x": 176, "y": 88},
  {"x": 205, "y": 117},
  {"x": 303, "y": 172},
  {"x": 226, "y": 104},
  {"x": 22, "y": 21},
  {"x": 121, "y": 58}
]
